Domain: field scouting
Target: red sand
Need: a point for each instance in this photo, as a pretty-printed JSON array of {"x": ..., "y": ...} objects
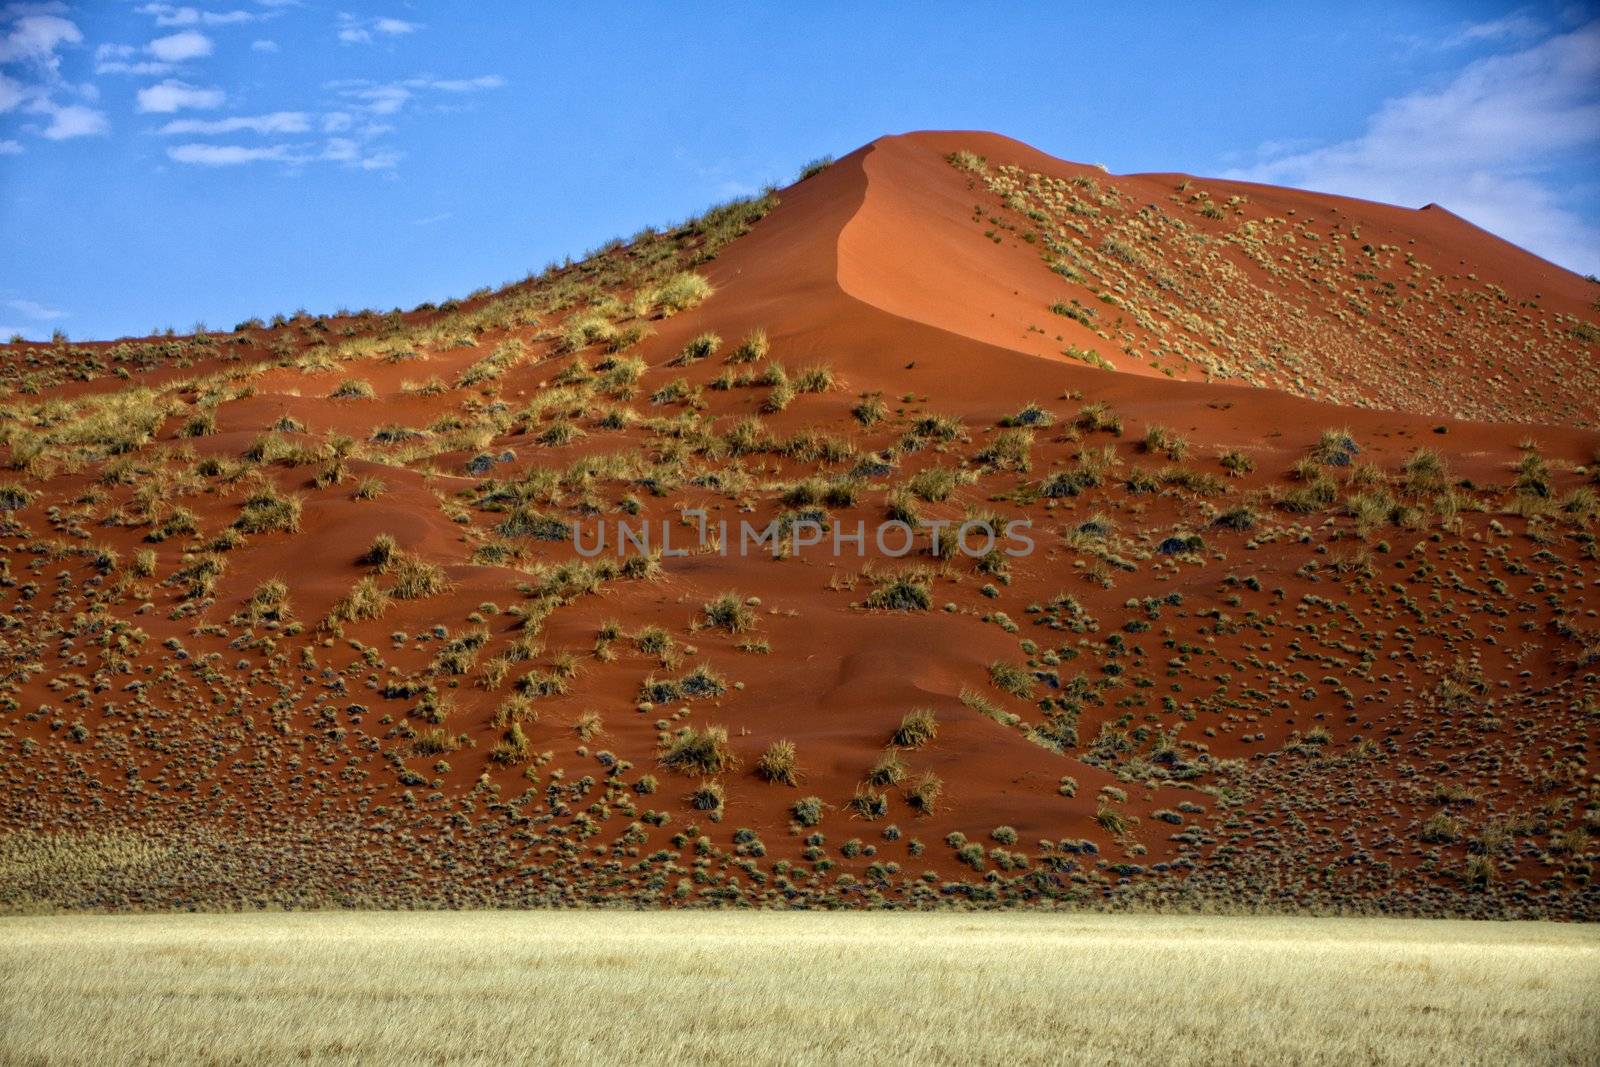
[{"x": 1198, "y": 710}]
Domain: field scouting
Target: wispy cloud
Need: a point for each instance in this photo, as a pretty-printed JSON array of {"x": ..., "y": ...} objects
[
  {"x": 389, "y": 98},
  {"x": 353, "y": 30},
  {"x": 34, "y": 310},
  {"x": 340, "y": 150},
  {"x": 169, "y": 15},
  {"x": 1511, "y": 27},
  {"x": 277, "y": 122},
  {"x": 1490, "y": 145},
  {"x": 120, "y": 59},
  {"x": 468, "y": 85},
  {"x": 360, "y": 130},
  {"x": 170, "y": 95},
  {"x": 227, "y": 155}
]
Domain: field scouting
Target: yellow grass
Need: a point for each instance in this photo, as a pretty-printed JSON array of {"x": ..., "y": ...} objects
[{"x": 763, "y": 987}]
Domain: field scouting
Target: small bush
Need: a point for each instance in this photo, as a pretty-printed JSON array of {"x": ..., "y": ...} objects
[
  {"x": 707, "y": 796},
  {"x": 902, "y": 593},
  {"x": 869, "y": 804},
  {"x": 807, "y": 811}
]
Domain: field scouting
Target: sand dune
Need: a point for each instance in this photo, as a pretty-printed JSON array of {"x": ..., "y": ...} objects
[{"x": 1309, "y": 624}]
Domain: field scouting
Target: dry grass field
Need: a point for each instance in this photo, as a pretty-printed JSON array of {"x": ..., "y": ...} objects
[{"x": 764, "y": 987}]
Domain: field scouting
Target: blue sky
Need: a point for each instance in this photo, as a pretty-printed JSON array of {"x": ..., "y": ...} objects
[{"x": 167, "y": 164}]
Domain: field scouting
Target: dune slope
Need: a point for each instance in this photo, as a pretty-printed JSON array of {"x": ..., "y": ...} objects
[{"x": 298, "y": 614}]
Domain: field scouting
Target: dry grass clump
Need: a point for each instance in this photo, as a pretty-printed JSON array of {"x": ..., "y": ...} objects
[
  {"x": 1162, "y": 441},
  {"x": 902, "y": 592},
  {"x": 268, "y": 511},
  {"x": 701, "y": 346},
  {"x": 729, "y": 612},
  {"x": 889, "y": 770},
  {"x": 416, "y": 579},
  {"x": 778, "y": 764},
  {"x": 366, "y": 600},
  {"x": 354, "y": 389},
  {"x": 753, "y": 349},
  {"x": 923, "y": 794},
  {"x": 699, "y": 752},
  {"x": 917, "y": 728},
  {"x": 680, "y": 292}
]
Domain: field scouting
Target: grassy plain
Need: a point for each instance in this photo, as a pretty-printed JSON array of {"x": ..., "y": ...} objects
[{"x": 800, "y": 987}]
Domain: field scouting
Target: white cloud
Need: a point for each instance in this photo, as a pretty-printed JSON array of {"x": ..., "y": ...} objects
[
  {"x": 1486, "y": 146},
  {"x": 277, "y": 122},
  {"x": 361, "y": 31},
  {"x": 12, "y": 94},
  {"x": 224, "y": 155},
  {"x": 263, "y": 46},
  {"x": 190, "y": 44},
  {"x": 35, "y": 33},
  {"x": 169, "y": 96},
  {"x": 71, "y": 120},
  {"x": 10, "y": 148},
  {"x": 35, "y": 37},
  {"x": 34, "y": 310}
]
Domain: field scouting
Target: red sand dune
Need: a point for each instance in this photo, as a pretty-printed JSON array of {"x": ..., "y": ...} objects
[{"x": 1370, "y": 683}]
